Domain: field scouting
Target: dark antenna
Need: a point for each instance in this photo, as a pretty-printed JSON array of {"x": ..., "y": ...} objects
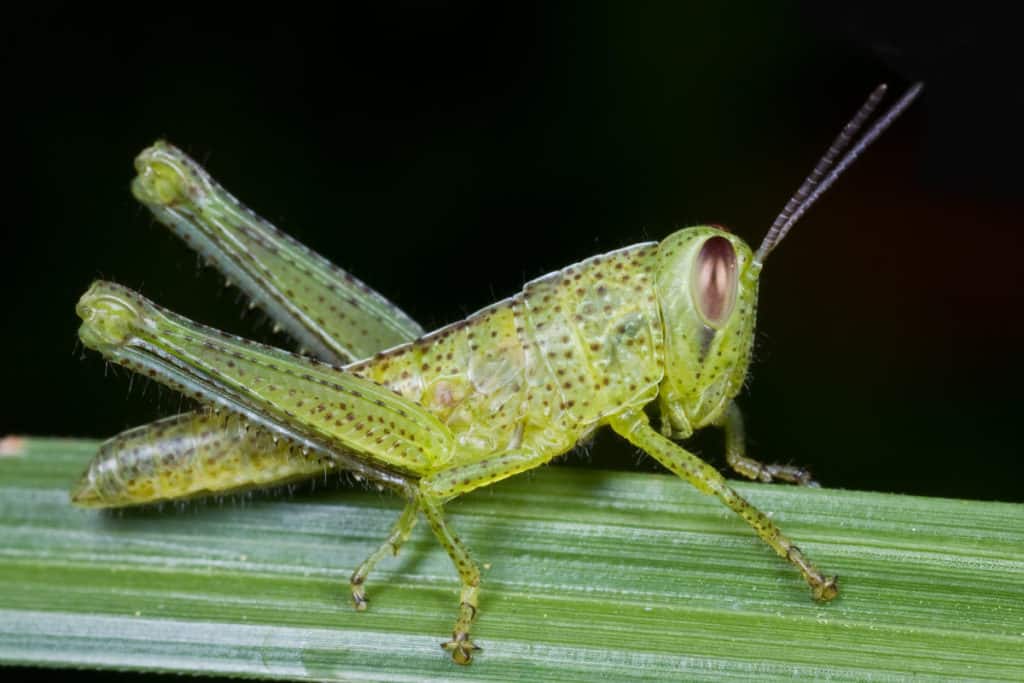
[{"x": 826, "y": 171}]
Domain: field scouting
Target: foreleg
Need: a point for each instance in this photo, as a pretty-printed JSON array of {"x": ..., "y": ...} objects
[
  {"x": 736, "y": 455},
  {"x": 634, "y": 427}
]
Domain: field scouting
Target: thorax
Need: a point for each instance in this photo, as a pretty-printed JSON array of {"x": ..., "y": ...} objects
[{"x": 545, "y": 366}]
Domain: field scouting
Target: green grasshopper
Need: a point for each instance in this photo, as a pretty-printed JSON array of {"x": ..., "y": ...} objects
[{"x": 435, "y": 416}]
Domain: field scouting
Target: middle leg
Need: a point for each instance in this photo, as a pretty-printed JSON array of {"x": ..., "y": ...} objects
[
  {"x": 460, "y": 646},
  {"x": 399, "y": 533}
]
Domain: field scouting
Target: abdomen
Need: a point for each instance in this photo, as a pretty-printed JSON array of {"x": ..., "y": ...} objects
[{"x": 189, "y": 455}]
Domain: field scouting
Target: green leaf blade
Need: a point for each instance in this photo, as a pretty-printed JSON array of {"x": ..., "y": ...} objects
[{"x": 587, "y": 575}]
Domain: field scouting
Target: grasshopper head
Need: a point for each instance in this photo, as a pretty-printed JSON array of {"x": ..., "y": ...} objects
[{"x": 706, "y": 285}]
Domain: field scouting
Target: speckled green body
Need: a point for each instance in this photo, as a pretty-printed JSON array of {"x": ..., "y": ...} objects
[
  {"x": 437, "y": 415},
  {"x": 538, "y": 372}
]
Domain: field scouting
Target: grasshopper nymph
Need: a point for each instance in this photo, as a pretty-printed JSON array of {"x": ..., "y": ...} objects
[{"x": 437, "y": 415}]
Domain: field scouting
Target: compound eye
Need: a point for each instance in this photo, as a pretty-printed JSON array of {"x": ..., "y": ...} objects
[{"x": 714, "y": 281}]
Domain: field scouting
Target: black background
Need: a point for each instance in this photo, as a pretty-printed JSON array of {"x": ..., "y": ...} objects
[{"x": 447, "y": 152}]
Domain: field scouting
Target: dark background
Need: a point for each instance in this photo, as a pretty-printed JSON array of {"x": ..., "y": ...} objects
[
  {"x": 406, "y": 141},
  {"x": 447, "y": 152}
]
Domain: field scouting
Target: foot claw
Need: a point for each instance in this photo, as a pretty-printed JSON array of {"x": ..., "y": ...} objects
[
  {"x": 461, "y": 648},
  {"x": 792, "y": 474},
  {"x": 827, "y": 589},
  {"x": 359, "y": 599}
]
